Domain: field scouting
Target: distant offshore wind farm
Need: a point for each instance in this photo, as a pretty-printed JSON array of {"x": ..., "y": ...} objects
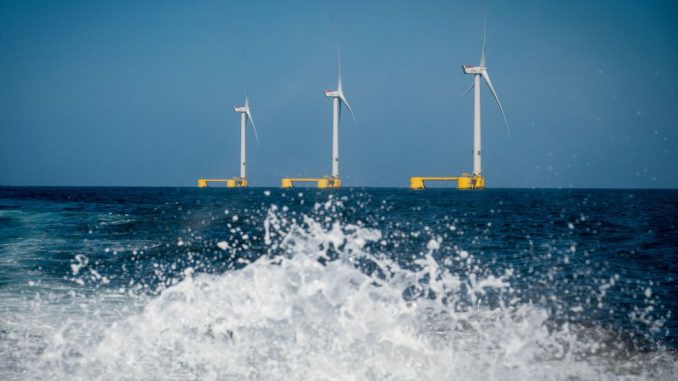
[{"x": 465, "y": 181}]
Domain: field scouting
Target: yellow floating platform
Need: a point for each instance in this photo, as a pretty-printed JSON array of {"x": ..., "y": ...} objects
[
  {"x": 236, "y": 182},
  {"x": 465, "y": 181},
  {"x": 322, "y": 183}
]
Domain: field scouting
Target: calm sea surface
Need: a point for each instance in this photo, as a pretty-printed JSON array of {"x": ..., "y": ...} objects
[{"x": 379, "y": 284}]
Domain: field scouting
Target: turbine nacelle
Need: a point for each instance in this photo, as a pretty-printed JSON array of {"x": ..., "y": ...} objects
[
  {"x": 246, "y": 110},
  {"x": 332, "y": 94},
  {"x": 470, "y": 69}
]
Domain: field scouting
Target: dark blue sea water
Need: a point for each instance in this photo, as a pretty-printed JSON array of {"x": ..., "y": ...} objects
[{"x": 383, "y": 284}]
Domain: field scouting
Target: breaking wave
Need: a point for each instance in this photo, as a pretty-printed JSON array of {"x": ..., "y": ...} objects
[{"x": 326, "y": 302}]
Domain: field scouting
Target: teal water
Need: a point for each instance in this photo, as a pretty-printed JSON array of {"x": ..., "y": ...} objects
[{"x": 383, "y": 284}]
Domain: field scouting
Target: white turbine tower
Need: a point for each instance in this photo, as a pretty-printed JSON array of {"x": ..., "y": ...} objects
[
  {"x": 244, "y": 116},
  {"x": 337, "y": 98},
  {"x": 478, "y": 72}
]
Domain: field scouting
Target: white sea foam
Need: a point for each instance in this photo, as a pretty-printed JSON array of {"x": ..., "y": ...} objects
[
  {"x": 314, "y": 311},
  {"x": 112, "y": 219}
]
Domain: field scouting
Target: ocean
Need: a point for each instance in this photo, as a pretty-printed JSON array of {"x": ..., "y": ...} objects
[{"x": 352, "y": 284}]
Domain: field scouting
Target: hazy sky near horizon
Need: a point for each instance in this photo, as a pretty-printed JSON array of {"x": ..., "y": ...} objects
[{"x": 142, "y": 93}]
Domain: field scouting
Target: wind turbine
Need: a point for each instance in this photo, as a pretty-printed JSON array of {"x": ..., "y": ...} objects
[
  {"x": 245, "y": 115},
  {"x": 476, "y": 179},
  {"x": 338, "y": 98},
  {"x": 478, "y": 72}
]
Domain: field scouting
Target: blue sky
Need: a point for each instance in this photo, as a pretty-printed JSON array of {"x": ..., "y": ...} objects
[{"x": 142, "y": 93}]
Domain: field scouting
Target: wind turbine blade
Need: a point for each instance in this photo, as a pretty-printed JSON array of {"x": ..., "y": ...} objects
[
  {"x": 244, "y": 64},
  {"x": 469, "y": 89},
  {"x": 249, "y": 116},
  {"x": 344, "y": 101},
  {"x": 339, "y": 87},
  {"x": 496, "y": 98},
  {"x": 483, "y": 62},
  {"x": 338, "y": 61}
]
